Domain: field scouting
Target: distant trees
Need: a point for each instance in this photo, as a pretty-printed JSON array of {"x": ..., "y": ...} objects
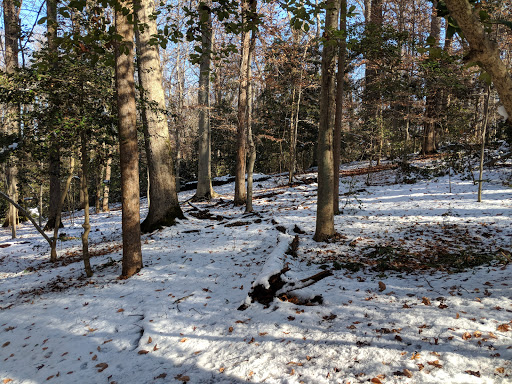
[{"x": 214, "y": 94}]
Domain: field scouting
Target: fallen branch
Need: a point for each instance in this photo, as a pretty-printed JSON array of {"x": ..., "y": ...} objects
[
  {"x": 273, "y": 282},
  {"x": 20, "y": 208}
]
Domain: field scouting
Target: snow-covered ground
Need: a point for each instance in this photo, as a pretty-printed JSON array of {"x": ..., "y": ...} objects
[{"x": 177, "y": 320}]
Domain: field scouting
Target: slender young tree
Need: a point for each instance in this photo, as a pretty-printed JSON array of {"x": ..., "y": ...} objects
[
  {"x": 128, "y": 148},
  {"x": 164, "y": 208},
  {"x": 325, "y": 211},
  {"x": 204, "y": 172},
  {"x": 11, "y": 124}
]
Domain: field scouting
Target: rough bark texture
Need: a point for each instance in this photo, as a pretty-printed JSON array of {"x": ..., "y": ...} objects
[
  {"x": 129, "y": 153},
  {"x": 431, "y": 111},
  {"x": 204, "y": 172},
  {"x": 54, "y": 150},
  {"x": 338, "y": 122},
  {"x": 241, "y": 138},
  {"x": 250, "y": 139},
  {"x": 11, "y": 123},
  {"x": 164, "y": 208},
  {"x": 483, "y": 50},
  {"x": 325, "y": 211}
]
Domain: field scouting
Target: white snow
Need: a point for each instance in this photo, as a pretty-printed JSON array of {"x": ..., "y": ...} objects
[
  {"x": 503, "y": 112},
  {"x": 177, "y": 320}
]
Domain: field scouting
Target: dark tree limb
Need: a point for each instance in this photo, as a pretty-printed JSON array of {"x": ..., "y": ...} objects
[{"x": 22, "y": 210}]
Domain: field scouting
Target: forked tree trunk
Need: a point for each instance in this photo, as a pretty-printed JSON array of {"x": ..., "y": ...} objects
[
  {"x": 128, "y": 148},
  {"x": 340, "y": 90},
  {"x": 325, "y": 211},
  {"x": 165, "y": 207},
  {"x": 204, "y": 173}
]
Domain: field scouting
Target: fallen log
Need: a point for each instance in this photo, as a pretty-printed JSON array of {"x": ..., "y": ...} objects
[{"x": 275, "y": 284}]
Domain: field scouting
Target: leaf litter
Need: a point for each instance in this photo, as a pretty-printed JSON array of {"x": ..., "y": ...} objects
[{"x": 415, "y": 295}]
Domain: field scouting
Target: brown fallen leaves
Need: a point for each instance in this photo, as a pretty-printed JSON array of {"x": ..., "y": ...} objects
[
  {"x": 503, "y": 327},
  {"x": 101, "y": 366},
  {"x": 182, "y": 378},
  {"x": 382, "y": 286}
]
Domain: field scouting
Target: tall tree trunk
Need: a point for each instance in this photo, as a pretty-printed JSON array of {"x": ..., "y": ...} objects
[
  {"x": 204, "y": 173},
  {"x": 54, "y": 150},
  {"x": 431, "y": 112},
  {"x": 128, "y": 148},
  {"x": 165, "y": 207},
  {"x": 241, "y": 139},
  {"x": 483, "y": 50},
  {"x": 85, "y": 193},
  {"x": 12, "y": 114},
  {"x": 250, "y": 138},
  {"x": 325, "y": 211},
  {"x": 338, "y": 123}
]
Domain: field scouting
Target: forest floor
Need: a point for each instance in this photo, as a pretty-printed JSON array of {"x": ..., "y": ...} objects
[{"x": 421, "y": 290}]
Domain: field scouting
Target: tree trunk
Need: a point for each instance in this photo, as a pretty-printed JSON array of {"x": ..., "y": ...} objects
[
  {"x": 241, "y": 139},
  {"x": 250, "y": 138},
  {"x": 12, "y": 113},
  {"x": 325, "y": 211},
  {"x": 54, "y": 150},
  {"x": 106, "y": 181},
  {"x": 431, "y": 112},
  {"x": 483, "y": 50},
  {"x": 204, "y": 173},
  {"x": 85, "y": 193},
  {"x": 128, "y": 148},
  {"x": 165, "y": 207},
  {"x": 99, "y": 182},
  {"x": 482, "y": 148},
  {"x": 338, "y": 123},
  {"x": 62, "y": 199}
]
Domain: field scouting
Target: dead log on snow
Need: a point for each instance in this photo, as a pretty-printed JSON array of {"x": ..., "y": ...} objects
[{"x": 280, "y": 286}]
